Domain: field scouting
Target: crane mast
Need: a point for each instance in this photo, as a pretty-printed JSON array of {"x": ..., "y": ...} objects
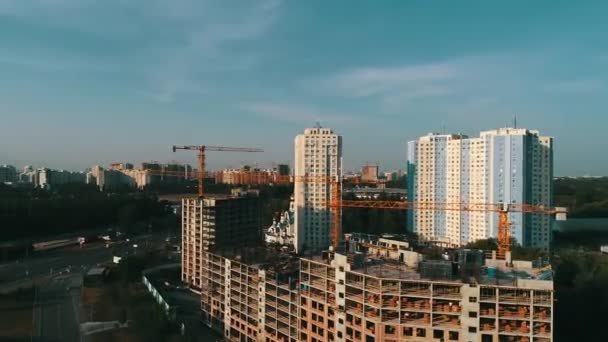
[{"x": 201, "y": 149}]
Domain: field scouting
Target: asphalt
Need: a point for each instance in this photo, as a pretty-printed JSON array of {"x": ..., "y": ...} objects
[
  {"x": 69, "y": 259},
  {"x": 57, "y": 276},
  {"x": 56, "y": 309}
]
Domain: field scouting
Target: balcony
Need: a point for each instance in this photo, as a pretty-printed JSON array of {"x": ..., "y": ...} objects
[
  {"x": 413, "y": 304},
  {"x": 355, "y": 308},
  {"x": 390, "y": 287},
  {"x": 542, "y": 314},
  {"x": 319, "y": 283},
  {"x": 542, "y": 330},
  {"x": 514, "y": 296},
  {"x": 415, "y": 289},
  {"x": 390, "y": 301},
  {"x": 488, "y": 327},
  {"x": 514, "y": 312},
  {"x": 542, "y": 298},
  {"x": 447, "y": 308},
  {"x": 415, "y": 318},
  {"x": 373, "y": 300},
  {"x": 514, "y": 328},
  {"x": 487, "y": 313},
  {"x": 446, "y": 321},
  {"x": 447, "y": 292},
  {"x": 372, "y": 313},
  {"x": 390, "y": 317}
]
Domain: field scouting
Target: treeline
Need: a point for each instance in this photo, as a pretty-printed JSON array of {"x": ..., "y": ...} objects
[
  {"x": 373, "y": 221},
  {"x": 31, "y": 213},
  {"x": 584, "y": 197},
  {"x": 581, "y": 283}
]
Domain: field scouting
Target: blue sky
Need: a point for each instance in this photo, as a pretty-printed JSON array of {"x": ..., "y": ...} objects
[{"x": 85, "y": 82}]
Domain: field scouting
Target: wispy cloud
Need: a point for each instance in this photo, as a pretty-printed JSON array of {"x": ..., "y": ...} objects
[
  {"x": 363, "y": 82},
  {"x": 191, "y": 38},
  {"x": 392, "y": 86},
  {"x": 391, "y": 81},
  {"x": 209, "y": 47},
  {"x": 576, "y": 86},
  {"x": 299, "y": 114}
]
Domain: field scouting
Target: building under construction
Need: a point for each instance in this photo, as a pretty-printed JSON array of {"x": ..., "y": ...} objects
[
  {"x": 214, "y": 223},
  {"x": 374, "y": 289}
]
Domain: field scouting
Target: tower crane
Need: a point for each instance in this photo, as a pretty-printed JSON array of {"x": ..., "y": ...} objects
[
  {"x": 336, "y": 203},
  {"x": 201, "y": 149},
  {"x": 502, "y": 209}
]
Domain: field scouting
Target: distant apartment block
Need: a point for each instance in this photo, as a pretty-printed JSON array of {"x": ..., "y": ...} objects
[
  {"x": 375, "y": 289},
  {"x": 124, "y": 174},
  {"x": 369, "y": 173},
  {"x": 283, "y": 170},
  {"x": 121, "y": 166},
  {"x": 246, "y": 176},
  {"x": 318, "y": 158},
  {"x": 506, "y": 165},
  {"x": 393, "y": 175},
  {"x": 115, "y": 176},
  {"x": 48, "y": 178},
  {"x": 216, "y": 223},
  {"x": 8, "y": 174}
]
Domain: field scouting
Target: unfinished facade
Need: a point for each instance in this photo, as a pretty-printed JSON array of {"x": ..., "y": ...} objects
[
  {"x": 214, "y": 223},
  {"x": 366, "y": 292}
]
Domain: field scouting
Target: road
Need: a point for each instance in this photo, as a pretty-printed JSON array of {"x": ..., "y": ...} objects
[
  {"x": 44, "y": 264},
  {"x": 58, "y": 276},
  {"x": 56, "y": 309}
]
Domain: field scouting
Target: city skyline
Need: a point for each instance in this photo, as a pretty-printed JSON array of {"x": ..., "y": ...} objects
[{"x": 79, "y": 92}]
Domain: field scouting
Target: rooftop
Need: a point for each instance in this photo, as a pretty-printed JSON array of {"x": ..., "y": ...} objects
[{"x": 387, "y": 257}]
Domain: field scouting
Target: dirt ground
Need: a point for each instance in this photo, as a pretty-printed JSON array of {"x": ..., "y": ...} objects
[{"x": 16, "y": 312}]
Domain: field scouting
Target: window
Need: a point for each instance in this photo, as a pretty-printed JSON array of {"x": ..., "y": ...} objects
[
  {"x": 473, "y": 299},
  {"x": 472, "y": 329},
  {"x": 472, "y": 314}
]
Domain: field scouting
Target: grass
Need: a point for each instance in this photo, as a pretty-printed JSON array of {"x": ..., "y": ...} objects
[{"x": 114, "y": 301}]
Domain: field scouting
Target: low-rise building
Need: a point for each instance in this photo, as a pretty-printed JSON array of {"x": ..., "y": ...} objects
[{"x": 282, "y": 230}]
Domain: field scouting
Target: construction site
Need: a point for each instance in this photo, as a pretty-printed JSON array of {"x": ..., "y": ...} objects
[
  {"x": 362, "y": 288},
  {"x": 375, "y": 289}
]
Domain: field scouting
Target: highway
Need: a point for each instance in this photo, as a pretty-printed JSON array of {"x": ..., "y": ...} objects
[
  {"x": 73, "y": 258},
  {"x": 58, "y": 277},
  {"x": 56, "y": 311}
]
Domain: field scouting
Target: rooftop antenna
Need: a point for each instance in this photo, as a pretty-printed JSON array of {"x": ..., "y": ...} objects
[
  {"x": 318, "y": 125},
  {"x": 443, "y": 128},
  {"x": 514, "y": 121}
]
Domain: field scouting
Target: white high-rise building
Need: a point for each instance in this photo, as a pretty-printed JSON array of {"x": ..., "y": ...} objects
[
  {"x": 318, "y": 153},
  {"x": 506, "y": 165}
]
